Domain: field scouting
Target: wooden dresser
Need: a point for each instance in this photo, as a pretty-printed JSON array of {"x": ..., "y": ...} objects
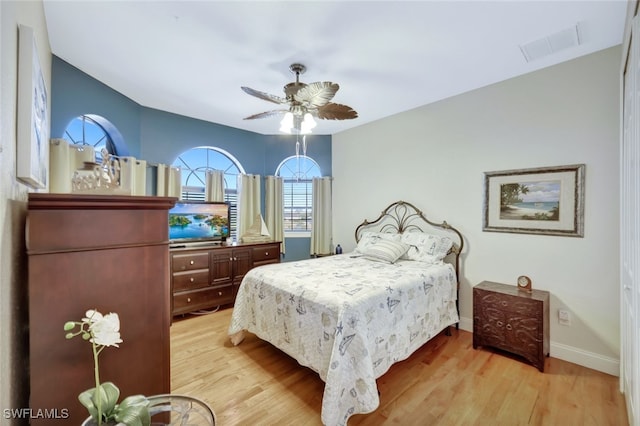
[
  {"x": 513, "y": 320},
  {"x": 106, "y": 252},
  {"x": 208, "y": 276}
]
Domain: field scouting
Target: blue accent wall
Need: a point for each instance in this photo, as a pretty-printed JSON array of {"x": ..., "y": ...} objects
[
  {"x": 297, "y": 249},
  {"x": 74, "y": 93},
  {"x": 159, "y": 136}
]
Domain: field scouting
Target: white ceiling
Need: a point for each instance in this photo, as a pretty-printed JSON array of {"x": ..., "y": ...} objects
[{"x": 192, "y": 57}]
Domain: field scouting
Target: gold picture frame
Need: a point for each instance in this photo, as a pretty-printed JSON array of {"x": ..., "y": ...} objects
[{"x": 544, "y": 200}]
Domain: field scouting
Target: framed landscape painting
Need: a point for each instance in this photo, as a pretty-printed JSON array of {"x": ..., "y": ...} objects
[{"x": 545, "y": 200}]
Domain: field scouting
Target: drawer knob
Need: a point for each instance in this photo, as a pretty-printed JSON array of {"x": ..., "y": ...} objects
[
  {"x": 266, "y": 253},
  {"x": 219, "y": 293},
  {"x": 191, "y": 262},
  {"x": 191, "y": 279},
  {"x": 188, "y": 300}
]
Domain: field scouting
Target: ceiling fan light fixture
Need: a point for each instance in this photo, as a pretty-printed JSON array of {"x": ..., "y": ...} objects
[
  {"x": 304, "y": 101},
  {"x": 308, "y": 124},
  {"x": 297, "y": 123},
  {"x": 286, "y": 125}
]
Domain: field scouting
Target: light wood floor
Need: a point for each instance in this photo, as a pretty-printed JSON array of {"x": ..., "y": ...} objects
[{"x": 446, "y": 382}]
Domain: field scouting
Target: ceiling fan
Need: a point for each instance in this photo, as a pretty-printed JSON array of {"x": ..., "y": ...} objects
[{"x": 304, "y": 102}]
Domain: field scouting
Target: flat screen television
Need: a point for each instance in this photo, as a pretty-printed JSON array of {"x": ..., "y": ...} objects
[{"x": 194, "y": 221}]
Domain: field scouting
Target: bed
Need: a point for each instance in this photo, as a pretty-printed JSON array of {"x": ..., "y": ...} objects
[{"x": 349, "y": 317}]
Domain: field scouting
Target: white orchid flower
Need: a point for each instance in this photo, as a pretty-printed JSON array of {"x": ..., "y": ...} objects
[
  {"x": 91, "y": 316},
  {"x": 106, "y": 330}
]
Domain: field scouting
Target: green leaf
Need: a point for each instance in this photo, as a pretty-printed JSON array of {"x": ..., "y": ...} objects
[
  {"x": 134, "y": 411},
  {"x": 86, "y": 399},
  {"x": 134, "y": 400},
  {"x": 109, "y": 393}
]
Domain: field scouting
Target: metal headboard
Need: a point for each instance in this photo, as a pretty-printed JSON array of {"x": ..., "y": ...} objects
[{"x": 402, "y": 216}]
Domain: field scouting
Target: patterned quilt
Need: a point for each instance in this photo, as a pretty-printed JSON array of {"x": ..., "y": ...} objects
[{"x": 347, "y": 318}]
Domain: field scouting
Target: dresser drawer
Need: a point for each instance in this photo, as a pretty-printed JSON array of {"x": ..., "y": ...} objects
[
  {"x": 266, "y": 254},
  {"x": 190, "y": 280},
  {"x": 208, "y": 276},
  {"x": 507, "y": 303},
  {"x": 189, "y": 261},
  {"x": 205, "y": 298}
]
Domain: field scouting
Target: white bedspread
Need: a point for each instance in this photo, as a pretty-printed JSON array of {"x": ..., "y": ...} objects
[{"x": 347, "y": 318}]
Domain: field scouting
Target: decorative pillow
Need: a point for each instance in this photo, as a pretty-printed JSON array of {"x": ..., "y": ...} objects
[
  {"x": 369, "y": 237},
  {"x": 426, "y": 248},
  {"x": 385, "y": 250}
]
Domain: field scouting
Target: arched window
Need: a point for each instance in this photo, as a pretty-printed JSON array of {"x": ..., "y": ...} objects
[
  {"x": 98, "y": 132},
  {"x": 194, "y": 164},
  {"x": 298, "y": 172}
]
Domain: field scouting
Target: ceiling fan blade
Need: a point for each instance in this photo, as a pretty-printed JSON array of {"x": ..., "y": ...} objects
[
  {"x": 315, "y": 95},
  {"x": 267, "y": 114},
  {"x": 333, "y": 111},
  {"x": 266, "y": 96}
]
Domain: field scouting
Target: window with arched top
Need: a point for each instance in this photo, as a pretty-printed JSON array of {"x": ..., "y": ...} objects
[
  {"x": 98, "y": 132},
  {"x": 298, "y": 172},
  {"x": 194, "y": 164}
]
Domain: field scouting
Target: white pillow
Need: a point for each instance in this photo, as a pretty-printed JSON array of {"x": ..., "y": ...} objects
[
  {"x": 368, "y": 238},
  {"x": 384, "y": 250},
  {"x": 426, "y": 248}
]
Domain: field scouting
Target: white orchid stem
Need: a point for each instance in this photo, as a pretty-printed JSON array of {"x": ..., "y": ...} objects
[{"x": 97, "y": 376}]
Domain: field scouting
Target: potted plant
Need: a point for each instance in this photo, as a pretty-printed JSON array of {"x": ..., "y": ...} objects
[{"x": 101, "y": 401}]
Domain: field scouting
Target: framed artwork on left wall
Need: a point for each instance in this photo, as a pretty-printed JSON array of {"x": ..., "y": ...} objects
[{"x": 33, "y": 127}]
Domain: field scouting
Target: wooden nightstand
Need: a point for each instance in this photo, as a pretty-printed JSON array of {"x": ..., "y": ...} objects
[{"x": 513, "y": 320}]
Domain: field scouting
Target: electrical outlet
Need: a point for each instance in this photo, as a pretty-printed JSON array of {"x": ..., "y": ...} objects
[{"x": 564, "y": 317}]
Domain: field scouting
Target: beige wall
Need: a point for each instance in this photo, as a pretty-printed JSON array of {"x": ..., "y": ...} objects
[
  {"x": 434, "y": 156},
  {"x": 14, "y": 385}
]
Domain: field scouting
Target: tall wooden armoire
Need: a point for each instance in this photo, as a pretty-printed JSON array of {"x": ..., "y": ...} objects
[{"x": 104, "y": 252}]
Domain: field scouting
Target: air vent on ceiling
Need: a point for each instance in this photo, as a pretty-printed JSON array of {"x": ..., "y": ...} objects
[{"x": 553, "y": 43}]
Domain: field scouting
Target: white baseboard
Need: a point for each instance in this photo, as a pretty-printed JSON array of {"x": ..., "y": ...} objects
[
  {"x": 466, "y": 324},
  {"x": 572, "y": 354},
  {"x": 587, "y": 359}
]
